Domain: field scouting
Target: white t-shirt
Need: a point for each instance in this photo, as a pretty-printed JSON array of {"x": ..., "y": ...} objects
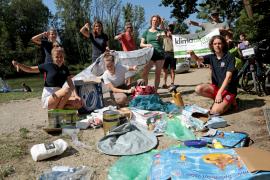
[{"x": 118, "y": 78}]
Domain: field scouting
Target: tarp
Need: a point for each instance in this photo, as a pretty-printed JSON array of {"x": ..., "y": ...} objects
[
  {"x": 127, "y": 139},
  {"x": 131, "y": 58}
]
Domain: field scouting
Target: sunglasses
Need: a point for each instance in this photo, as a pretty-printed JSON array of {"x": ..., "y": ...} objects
[{"x": 129, "y": 27}]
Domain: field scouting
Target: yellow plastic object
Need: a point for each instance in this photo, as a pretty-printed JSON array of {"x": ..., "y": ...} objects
[
  {"x": 177, "y": 98},
  {"x": 217, "y": 144}
]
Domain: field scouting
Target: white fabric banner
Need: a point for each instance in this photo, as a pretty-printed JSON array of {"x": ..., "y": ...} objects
[
  {"x": 196, "y": 42},
  {"x": 138, "y": 57}
]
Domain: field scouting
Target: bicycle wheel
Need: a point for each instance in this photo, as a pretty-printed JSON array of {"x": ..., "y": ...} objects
[
  {"x": 267, "y": 84},
  {"x": 247, "y": 81},
  {"x": 256, "y": 83}
]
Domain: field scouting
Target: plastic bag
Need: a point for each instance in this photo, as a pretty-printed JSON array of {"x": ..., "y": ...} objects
[
  {"x": 178, "y": 131},
  {"x": 132, "y": 167},
  {"x": 68, "y": 173}
]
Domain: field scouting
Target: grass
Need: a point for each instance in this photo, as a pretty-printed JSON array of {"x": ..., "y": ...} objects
[
  {"x": 23, "y": 133},
  {"x": 35, "y": 82},
  {"x": 5, "y": 171},
  {"x": 11, "y": 150}
]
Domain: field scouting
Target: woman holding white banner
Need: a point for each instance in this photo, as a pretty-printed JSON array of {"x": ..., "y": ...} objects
[
  {"x": 223, "y": 89},
  {"x": 153, "y": 38}
]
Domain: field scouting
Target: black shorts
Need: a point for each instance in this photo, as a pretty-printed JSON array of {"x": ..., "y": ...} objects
[
  {"x": 170, "y": 61},
  {"x": 157, "y": 55}
]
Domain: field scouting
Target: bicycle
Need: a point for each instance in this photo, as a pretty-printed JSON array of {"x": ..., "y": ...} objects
[{"x": 253, "y": 74}]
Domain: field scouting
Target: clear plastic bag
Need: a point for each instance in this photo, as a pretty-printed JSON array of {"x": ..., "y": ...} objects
[
  {"x": 132, "y": 167},
  {"x": 176, "y": 130}
]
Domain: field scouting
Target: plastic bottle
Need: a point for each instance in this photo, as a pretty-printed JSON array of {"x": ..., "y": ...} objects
[{"x": 217, "y": 144}]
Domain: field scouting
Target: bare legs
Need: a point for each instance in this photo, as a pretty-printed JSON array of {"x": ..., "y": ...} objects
[
  {"x": 146, "y": 71},
  {"x": 206, "y": 90},
  {"x": 159, "y": 65},
  {"x": 172, "y": 76},
  {"x": 165, "y": 76},
  {"x": 64, "y": 99}
]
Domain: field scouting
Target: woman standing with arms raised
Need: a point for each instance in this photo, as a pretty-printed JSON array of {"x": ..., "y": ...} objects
[
  {"x": 46, "y": 40},
  {"x": 153, "y": 38},
  {"x": 98, "y": 39}
]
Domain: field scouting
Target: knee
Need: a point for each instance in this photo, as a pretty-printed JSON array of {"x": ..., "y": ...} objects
[
  {"x": 199, "y": 89},
  {"x": 78, "y": 104},
  {"x": 67, "y": 90}
]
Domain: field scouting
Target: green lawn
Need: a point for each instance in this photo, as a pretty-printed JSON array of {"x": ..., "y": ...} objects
[{"x": 35, "y": 82}]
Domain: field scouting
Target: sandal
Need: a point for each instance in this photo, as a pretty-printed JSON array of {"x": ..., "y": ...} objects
[{"x": 164, "y": 86}]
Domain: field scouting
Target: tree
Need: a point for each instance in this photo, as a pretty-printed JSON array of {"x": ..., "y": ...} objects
[
  {"x": 26, "y": 18},
  {"x": 70, "y": 17},
  {"x": 256, "y": 27},
  {"x": 181, "y": 9},
  {"x": 19, "y": 21},
  {"x": 229, "y": 9}
]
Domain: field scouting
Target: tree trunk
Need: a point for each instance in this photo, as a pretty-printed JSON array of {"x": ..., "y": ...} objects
[{"x": 248, "y": 8}]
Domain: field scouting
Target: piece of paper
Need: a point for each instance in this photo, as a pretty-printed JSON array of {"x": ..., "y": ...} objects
[{"x": 255, "y": 159}]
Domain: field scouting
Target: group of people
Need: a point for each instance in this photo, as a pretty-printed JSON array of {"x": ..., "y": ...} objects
[{"x": 223, "y": 88}]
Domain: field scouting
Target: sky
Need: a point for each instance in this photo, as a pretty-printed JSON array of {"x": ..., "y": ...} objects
[{"x": 151, "y": 7}]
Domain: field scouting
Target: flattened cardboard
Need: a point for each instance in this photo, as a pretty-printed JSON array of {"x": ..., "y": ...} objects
[{"x": 255, "y": 159}]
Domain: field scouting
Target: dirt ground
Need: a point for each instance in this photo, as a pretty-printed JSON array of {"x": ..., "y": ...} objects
[{"x": 19, "y": 117}]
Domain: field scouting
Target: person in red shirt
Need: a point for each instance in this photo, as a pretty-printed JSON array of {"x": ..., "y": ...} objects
[
  {"x": 127, "y": 41},
  {"x": 127, "y": 38}
]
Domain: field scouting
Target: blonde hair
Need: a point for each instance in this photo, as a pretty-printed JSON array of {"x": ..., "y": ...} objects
[
  {"x": 56, "y": 44},
  {"x": 57, "y": 50}
]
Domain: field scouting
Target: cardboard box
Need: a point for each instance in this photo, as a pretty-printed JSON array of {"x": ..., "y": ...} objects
[
  {"x": 255, "y": 159},
  {"x": 91, "y": 95},
  {"x": 60, "y": 118}
]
